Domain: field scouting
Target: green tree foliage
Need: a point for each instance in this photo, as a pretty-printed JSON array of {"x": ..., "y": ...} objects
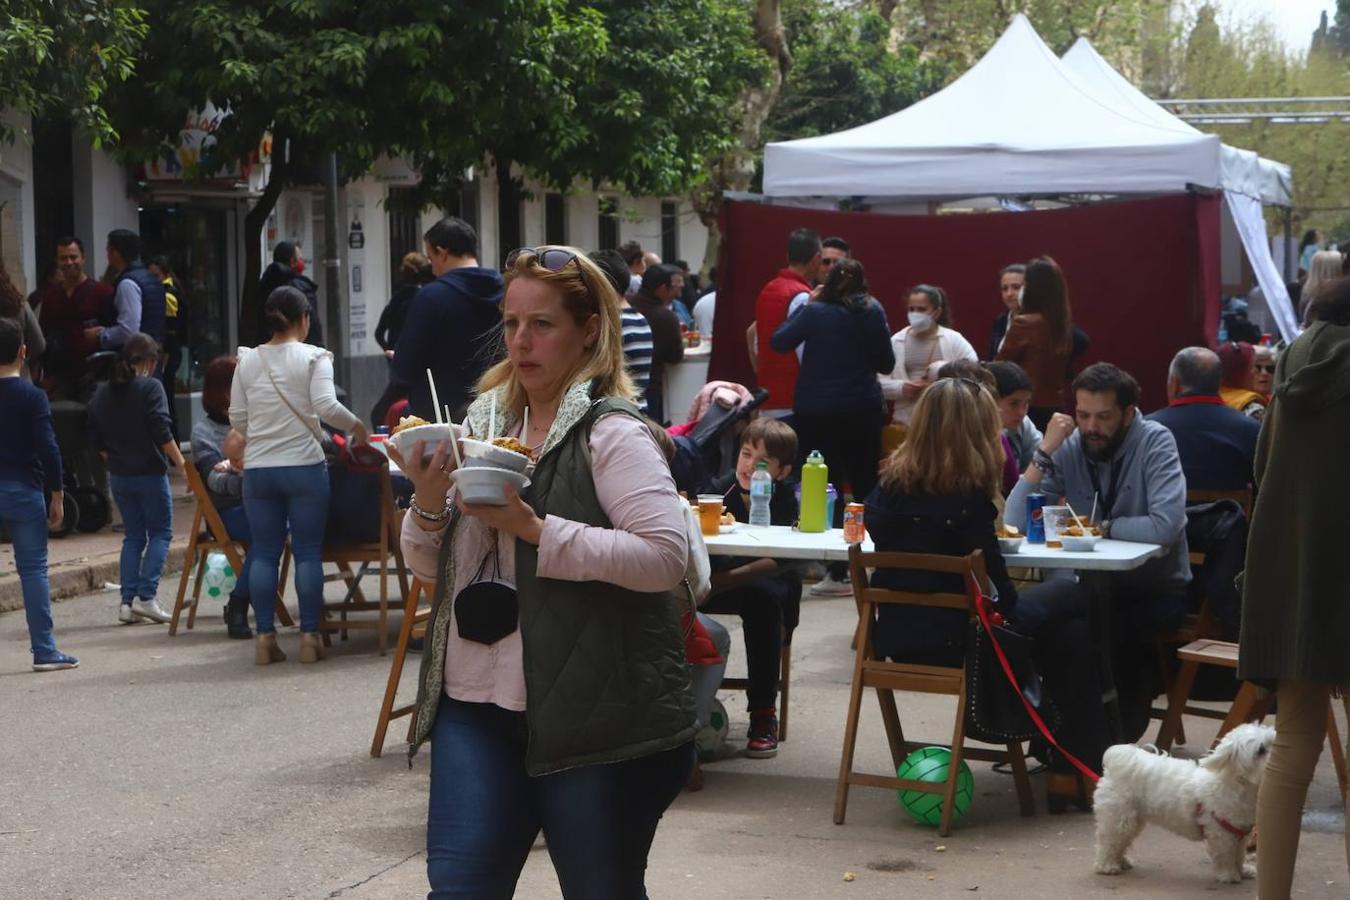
[
  {"x": 633, "y": 94},
  {"x": 61, "y": 57}
]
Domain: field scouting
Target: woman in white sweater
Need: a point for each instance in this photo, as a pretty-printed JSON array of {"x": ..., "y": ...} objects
[
  {"x": 281, "y": 392},
  {"x": 921, "y": 348}
]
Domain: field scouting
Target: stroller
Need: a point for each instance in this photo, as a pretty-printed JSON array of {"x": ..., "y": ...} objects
[
  {"x": 709, "y": 450},
  {"x": 83, "y": 475}
]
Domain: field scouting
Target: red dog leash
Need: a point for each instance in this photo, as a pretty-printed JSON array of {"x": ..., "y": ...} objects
[{"x": 988, "y": 621}]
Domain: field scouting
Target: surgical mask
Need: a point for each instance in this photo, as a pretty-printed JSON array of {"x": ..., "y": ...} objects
[
  {"x": 920, "y": 321},
  {"x": 300, "y": 266}
]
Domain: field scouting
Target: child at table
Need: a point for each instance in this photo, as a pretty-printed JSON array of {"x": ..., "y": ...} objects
[
  {"x": 1014, "y": 399},
  {"x": 764, "y": 594}
]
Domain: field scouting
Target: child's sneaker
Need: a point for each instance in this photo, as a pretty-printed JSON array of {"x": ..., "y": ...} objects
[
  {"x": 761, "y": 742},
  {"x": 150, "y": 609},
  {"x": 54, "y": 661},
  {"x": 124, "y": 614}
]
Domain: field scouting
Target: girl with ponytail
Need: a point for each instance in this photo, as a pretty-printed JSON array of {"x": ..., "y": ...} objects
[{"x": 129, "y": 426}]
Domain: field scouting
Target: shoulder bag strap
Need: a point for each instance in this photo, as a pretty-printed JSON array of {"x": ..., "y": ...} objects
[{"x": 318, "y": 435}]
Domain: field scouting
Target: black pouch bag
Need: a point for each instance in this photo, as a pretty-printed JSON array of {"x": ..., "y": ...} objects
[
  {"x": 487, "y": 609},
  {"x": 994, "y": 711}
]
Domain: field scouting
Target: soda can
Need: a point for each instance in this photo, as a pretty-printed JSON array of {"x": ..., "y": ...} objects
[
  {"x": 854, "y": 530},
  {"x": 1035, "y": 518}
]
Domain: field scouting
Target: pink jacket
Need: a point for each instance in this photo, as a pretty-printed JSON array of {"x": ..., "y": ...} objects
[{"x": 646, "y": 550}]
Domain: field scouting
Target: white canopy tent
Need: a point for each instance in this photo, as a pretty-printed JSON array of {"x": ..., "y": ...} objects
[
  {"x": 1247, "y": 179},
  {"x": 1018, "y": 122}
]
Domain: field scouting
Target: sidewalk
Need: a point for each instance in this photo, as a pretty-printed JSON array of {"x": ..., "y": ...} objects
[{"x": 83, "y": 563}]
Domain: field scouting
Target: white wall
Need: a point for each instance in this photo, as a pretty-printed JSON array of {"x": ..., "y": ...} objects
[
  {"x": 17, "y": 223},
  {"x": 102, "y": 202}
]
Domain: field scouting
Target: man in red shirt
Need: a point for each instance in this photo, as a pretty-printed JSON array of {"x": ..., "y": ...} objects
[
  {"x": 778, "y": 371},
  {"x": 69, "y": 307}
]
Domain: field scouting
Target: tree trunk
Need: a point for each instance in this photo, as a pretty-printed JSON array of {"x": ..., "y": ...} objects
[
  {"x": 251, "y": 300},
  {"x": 735, "y": 169}
]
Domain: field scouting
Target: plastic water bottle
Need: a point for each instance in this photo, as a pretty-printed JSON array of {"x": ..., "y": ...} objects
[
  {"x": 1223, "y": 330},
  {"x": 815, "y": 476},
  {"x": 761, "y": 494}
]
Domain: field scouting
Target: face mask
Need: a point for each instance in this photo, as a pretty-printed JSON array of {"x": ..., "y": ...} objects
[
  {"x": 300, "y": 266},
  {"x": 920, "y": 321}
]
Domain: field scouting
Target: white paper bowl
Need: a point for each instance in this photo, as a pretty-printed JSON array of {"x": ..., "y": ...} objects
[
  {"x": 432, "y": 434},
  {"x": 1010, "y": 544},
  {"x": 485, "y": 485},
  {"x": 1084, "y": 544},
  {"x": 478, "y": 454}
]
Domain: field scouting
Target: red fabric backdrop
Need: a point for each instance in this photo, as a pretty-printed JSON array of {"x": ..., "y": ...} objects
[{"x": 1143, "y": 275}]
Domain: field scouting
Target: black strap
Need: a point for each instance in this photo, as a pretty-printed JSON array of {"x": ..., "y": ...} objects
[{"x": 1107, "y": 500}]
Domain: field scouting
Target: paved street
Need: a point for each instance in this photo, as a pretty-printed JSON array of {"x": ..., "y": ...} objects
[{"x": 175, "y": 768}]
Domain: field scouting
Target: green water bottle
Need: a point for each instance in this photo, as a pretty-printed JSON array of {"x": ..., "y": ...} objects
[{"x": 815, "y": 476}]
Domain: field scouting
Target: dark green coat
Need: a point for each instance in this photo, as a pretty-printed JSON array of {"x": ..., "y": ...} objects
[
  {"x": 1296, "y": 589},
  {"x": 605, "y": 672}
]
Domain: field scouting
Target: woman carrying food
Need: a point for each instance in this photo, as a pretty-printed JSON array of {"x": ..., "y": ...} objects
[{"x": 553, "y": 688}]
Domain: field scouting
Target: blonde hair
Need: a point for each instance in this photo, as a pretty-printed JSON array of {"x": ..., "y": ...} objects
[
  {"x": 585, "y": 292},
  {"x": 953, "y": 445},
  {"x": 1322, "y": 271}
]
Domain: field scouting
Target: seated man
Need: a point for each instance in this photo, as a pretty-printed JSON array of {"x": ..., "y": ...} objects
[
  {"x": 1129, "y": 466},
  {"x": 1217, "y": 443},
  {"x": 766, "y": 596}
]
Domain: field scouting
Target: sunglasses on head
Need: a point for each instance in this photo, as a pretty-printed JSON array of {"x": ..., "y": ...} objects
[{"x": 554, "y": 259}]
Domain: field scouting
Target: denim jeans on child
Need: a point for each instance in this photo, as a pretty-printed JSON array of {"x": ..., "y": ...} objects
[
  {"x": 273, "y": 498},
  {"x": 485, "y": 811},
  {"x": 236, "y": 525},
  {"x": 147, "y": 513},
  {"x": 23, "y": 511}
]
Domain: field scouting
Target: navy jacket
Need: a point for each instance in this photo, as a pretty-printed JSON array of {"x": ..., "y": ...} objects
[
  {"x": 950, "y": 526},
  {"x": 846, "y": 348},
  {"x": 130, "y": 423},
  {"x": 1217, "y": 444},
  {"x": 152, "y": 299},
  {"x": 28, "y": 453},
  {"x": 451, "y": 328}
]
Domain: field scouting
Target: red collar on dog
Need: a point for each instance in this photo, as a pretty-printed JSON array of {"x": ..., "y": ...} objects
[{"x": 1239, "y": 833}]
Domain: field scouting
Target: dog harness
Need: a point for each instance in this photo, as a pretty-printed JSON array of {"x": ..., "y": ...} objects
[{"x": 1239, "y": 833}]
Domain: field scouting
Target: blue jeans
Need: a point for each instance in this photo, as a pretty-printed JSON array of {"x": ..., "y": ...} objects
[
  {"x": 273, "y": 498},
  {"x": 24, "y": 512},
  {"x": 236, "y": 525},
  {"x": 147, "y": 513},
  {"x": 485, "y": 811}
]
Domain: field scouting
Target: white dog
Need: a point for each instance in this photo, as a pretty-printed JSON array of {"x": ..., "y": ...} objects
[{"x": 1212, "y": 800}]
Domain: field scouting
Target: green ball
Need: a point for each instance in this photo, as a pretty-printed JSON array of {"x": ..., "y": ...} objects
[{"x": 931, "y": 764}]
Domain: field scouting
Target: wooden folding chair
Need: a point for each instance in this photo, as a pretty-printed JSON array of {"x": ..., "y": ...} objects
[
  {"x": 414, "y": 626},
  {"x": 379, "y": 552},
  {"x": 887, "y": 677},
  {"x": 209, "y": 535},
  {"x": 1250, "y": 705},
  {"x": 1201, "y": 625}
]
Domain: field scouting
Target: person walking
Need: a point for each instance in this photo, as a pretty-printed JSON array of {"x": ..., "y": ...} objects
[
  {"x": 837, "y": 403},
  {"x": 1295, "y": 623},
  {"x": 129, "y": 424},
  {"x": 29, "y": 464},
  {"x": 588, "y": 565},
  {"x": 281, "y": 391}
]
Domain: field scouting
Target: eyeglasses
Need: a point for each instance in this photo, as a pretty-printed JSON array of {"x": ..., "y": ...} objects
[{"x": 552, "y": 258}]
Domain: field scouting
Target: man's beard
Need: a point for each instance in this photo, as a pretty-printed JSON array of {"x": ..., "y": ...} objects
[{"x": 1109, "y": 449}]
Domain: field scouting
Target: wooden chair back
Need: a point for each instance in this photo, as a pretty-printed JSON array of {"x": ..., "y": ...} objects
[
  {"x": 415, "y": 617},
  {"x": 379, "y": 552},
  {"x": 870, "y": 671}
]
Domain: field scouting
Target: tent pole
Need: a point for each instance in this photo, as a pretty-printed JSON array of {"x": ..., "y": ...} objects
[{"x": 1288, "y": 237}]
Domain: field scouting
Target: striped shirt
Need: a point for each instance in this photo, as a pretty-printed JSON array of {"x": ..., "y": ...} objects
[{"x": 637, "y": 350}]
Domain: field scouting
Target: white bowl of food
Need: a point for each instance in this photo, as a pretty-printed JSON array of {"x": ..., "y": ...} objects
[
  {"x": 486, "y": 485},
  {"x": 1010, "y": 545},
  {"x": 1080, "y": 540},
  {"x": 431, "y": 434},
  {"x": 501, "y": 453}
]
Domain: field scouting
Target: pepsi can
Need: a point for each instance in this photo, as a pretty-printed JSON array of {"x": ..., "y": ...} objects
[{"x": 1035, "y": 518}]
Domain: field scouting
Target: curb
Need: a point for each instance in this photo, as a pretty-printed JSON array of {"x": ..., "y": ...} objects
[{"x": 83, "y": 576}]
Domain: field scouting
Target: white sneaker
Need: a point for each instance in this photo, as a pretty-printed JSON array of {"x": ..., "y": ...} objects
[
  {"x": 124, "y": 614},
  {"x": 829, "y": 587},
  {"x": 149, "y": 609}
]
